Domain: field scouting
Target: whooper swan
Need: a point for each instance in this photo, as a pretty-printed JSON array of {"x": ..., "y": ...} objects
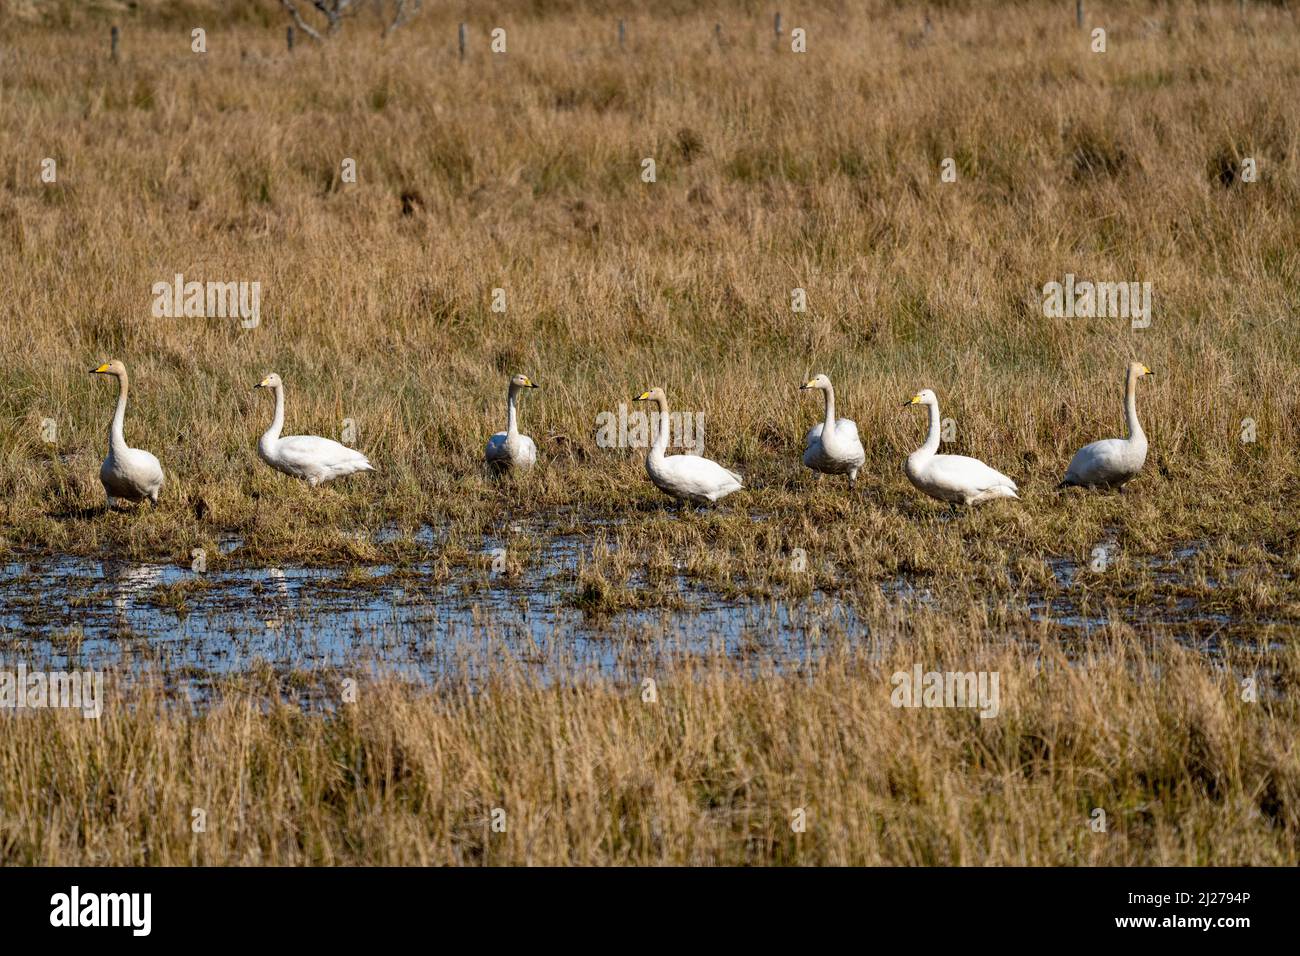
[
  {"x": 129, "y": 473},
  {"x": 833, "y": 446},
  {"x": 509, "y": 450},
  {"x": 956, "y": 479},
  {"x": 308, "y": 457},
  {"x": 684, "y": 477},
  {"x": 1113, "y": 461}
]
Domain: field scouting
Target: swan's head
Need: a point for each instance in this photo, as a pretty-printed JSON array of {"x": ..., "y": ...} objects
[
  {"x": 113, "y": 367},
  {"x": 522, "y": 381},
  {"x": 1137, "y": 370},
  {"x": 923, "y": 397},
  {"x": 655, "y": 394},
  {"x": 817, "y": 381},
  {"x": 271, "y": 381}
]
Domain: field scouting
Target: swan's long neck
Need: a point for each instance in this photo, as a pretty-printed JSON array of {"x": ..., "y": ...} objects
[
  {"x": 1135, "y": 433},
  {"x": 116, "y": 437},
  {"x": 932, "y": 440},
  {"x": 277, "y": 423},
  {"x": 829, "y": 427},
  {"x": 512, "y": 415},
  {"x": 661, "y": 436}
]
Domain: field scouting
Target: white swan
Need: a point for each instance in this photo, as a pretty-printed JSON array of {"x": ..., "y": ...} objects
[
  {"x": 308, "y": 457},
  {"x": 956, "y": 479},
  {"x": 684, "y": 477},
  {"x": 129, "y": 473},
  {"x": 1113, "y": 461},
  {"x": 509, "y": 450},
  {"x": 833, "y": 446}
]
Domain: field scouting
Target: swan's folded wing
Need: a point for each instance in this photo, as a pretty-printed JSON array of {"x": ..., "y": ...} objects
[
  {"x": 847, "y": 431},
  {"x": 308, "y": 451},
  {"x": 527, "y": 450},
  {"x": 144, "y": 466},
  {"x": 847, "y": 428},
  {"x": 133, "y": 474},
  {"x": 1099, "y": 462},
  {"x": 700, "y": 477},
  {"x": 958, "y": 473}
]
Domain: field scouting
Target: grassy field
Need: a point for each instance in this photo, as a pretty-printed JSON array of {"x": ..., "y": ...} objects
[
  {"x": 713, "y": 771},
  {"x": 774, "y": 171}
]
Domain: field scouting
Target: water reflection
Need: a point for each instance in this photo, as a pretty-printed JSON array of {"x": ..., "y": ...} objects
[{"x": 416, "y": 620}]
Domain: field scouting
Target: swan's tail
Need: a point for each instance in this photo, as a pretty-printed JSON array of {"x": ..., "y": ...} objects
[{"x": 991, "y": 494}]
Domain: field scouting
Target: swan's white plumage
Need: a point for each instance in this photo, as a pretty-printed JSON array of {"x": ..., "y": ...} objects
[
  {"x": 129, "y": 473},
  {"x": 133, "y": 474},
  {"x": 844, "y": 427},
  {"x": 309, "y": 457},
  {"x": 509, "y": 450},
  {"x": 684, "y": 477},
  {"x": 957, "y": 479},
  {"x": 312, "y": 458},
  {"x": 832, "y": 446},
  {"x": 1113, "y": 461},
  {"x": 522, "y": 453},
  {"x": 692, "y": 478}
]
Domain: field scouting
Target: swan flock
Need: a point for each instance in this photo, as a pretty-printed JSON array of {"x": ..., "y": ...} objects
[{"x": 831, "y": 447}]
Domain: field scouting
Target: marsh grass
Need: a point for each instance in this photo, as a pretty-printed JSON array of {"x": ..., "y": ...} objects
[
  {"x": 775, "y": 171},
  {"x": 711, "y": 772}
]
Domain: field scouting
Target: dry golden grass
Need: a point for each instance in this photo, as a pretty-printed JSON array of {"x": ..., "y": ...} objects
[
  {"x": 712, "y": 772},
  {"x": 775, "y": 171}
]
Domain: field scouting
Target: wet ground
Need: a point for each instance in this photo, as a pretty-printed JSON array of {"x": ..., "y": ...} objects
[
  {"x": 189, "y": 627},
  {"x": 192, "y": 626}
]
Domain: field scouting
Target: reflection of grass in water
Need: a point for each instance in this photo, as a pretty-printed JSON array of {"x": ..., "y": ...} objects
[
  {"x": 1213, "y": 587},
  {"x": 66, "y": 640},
  {"x": 711, "y": 772},
  {"x": 178, "y": 595},
  {"x": 607, "y": 557}
]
